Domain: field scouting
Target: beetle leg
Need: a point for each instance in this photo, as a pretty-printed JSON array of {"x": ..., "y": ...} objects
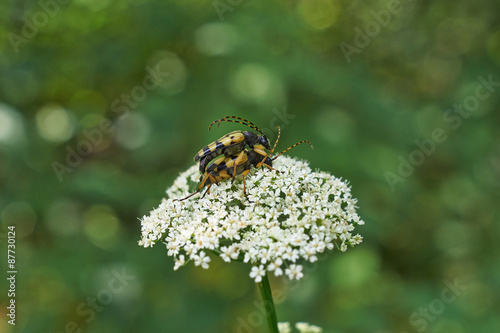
[
  {"x": 244, "y": 186},
  {"x": 202, "y": 183},
  {"x": 189, "y": 196},
  {"x": 264, "y": 157},
  {"x": 271, "y": 168},
  {"x": 212, "y": 181},
  {"x": 236, "y": 163},
  {"x": 260, "y": 152},
  {"x": 207, "y": 191}
]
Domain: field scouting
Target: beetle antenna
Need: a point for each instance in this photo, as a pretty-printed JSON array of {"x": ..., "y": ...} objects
[
  {"x": 239, "y": 121},
  {"x": 279, "y": 134},
  {"x": 298, "y": 143}
]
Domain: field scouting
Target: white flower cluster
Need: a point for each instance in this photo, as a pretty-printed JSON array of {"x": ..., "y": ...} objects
[
  {"x": 301, "y": 327},
  {"x": 295, "y": 214}
]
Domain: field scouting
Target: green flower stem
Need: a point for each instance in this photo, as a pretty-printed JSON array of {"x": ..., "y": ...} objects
[{"x": 267, "y": 297}]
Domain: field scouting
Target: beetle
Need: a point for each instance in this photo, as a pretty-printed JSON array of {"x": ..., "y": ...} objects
[
  {"x": 222, "y": 168},
  {"x": 233, "y": 142}
]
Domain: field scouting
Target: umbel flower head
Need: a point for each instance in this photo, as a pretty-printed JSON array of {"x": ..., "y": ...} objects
[{"x": 295, "y": 215}]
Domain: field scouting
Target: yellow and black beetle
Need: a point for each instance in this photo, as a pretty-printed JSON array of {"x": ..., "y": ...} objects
[
  {"x": 233, "y": 143},
  {"x": 222, "y": 168}
]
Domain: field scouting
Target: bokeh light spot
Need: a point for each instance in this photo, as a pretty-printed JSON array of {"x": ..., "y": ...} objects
[
  {"x": 255, "y": 82},
  {"x": 215, "y": 38},
  {"x": 11, "y": 125},
  {"x": 133, "y": 131},
  {"x": 335, "y": 125},
  {"x": 319, "y": 14},
  {"x": 55, "y": 123},
  {"x": 438, "y": 74},
  {"x": 63, "y": 217},
  {"x": 101, "y": 226},
  {"x": 455, "y": 36},
  {"x": 168, "y": 71},
  {"x": 21, "y": 215}
]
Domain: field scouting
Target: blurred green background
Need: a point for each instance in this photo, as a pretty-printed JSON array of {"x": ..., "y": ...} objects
[{"x": 103, "y": 103}]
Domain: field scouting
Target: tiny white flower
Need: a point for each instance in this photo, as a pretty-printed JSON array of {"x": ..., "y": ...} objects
[
  {"x": 257, "y": 273},
  {"x": 307, "y": 328},
  {"x": 343, "y": 247},
  {"x": 294, "y": 272},
  {"x": 179, "y": 262},
  {"x": 284, "y": 327},
  {"x": 202, "y": 259},
  {"x": 226, "y": 253},
  {"x": 276, "y": 267}
]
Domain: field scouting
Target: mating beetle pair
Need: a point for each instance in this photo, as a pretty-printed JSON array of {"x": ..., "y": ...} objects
[{"x": 228, "y": 156}]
